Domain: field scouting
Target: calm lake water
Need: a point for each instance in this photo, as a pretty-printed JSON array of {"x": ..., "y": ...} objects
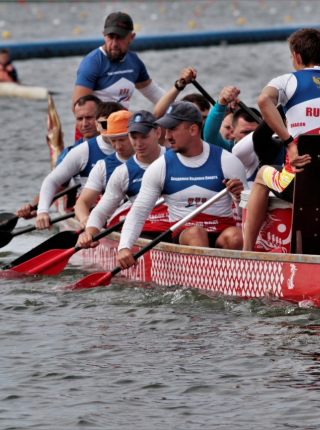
[{"x": 127, "y": 357}]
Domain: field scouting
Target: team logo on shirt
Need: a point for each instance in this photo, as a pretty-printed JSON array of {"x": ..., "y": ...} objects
[
  {"x": 316, "y": 81},
  {"x": 195, "y": 201}
]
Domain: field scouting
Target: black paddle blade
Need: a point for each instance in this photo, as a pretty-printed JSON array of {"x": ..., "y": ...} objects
[
  {"x": 63, "y": 240},
  {"x": 8, "y": 221},
  {"x": 5, "y": 238}
]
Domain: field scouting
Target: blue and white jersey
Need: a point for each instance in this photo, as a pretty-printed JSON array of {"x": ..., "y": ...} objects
[
  {"x": 95, "y": 154},
  {"x": 135, "y": 174},
  {"x": 189, "y": 187},
  {"x": 299, "y": 94},
  {"x": 111, "y": 162},
  {"x": 111, "y": 81}
]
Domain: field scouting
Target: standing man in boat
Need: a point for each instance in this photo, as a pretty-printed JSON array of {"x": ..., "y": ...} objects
[
  {"x": 299, "y": 94},
  {"x": 188, "y": 175},
  {"x": 8, "y": 72},
  {"x": 79, "y": 161},
  {"x": 112, "y": 72},
  {"x": 126, "y": 179}
]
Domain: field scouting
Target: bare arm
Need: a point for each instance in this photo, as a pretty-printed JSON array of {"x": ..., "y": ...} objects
[
  {"x": 85, "y": 202},
  {"x": 186, "y": 76},
  {"x": 267, "y": 103}
]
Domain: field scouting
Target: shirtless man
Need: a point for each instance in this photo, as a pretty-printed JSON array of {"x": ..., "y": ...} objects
[
  {"x": 298, "y": 93},
  {"x": 79, "y": 161},
  {"x": 126, "y": 179},
  {"x": 112, "y": 72},
  {"x": 192, "y": 172}
]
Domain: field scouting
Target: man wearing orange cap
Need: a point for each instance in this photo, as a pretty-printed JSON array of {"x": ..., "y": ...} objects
[
  {"x": 117, "y": 133},
  {"x": 111, "y": 71},
  {"x": 79, "y": 161}
]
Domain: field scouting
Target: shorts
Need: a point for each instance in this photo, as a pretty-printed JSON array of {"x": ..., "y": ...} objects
[
  {"x": 211, "y": 236},
  {"x": 279, "y": 181}
]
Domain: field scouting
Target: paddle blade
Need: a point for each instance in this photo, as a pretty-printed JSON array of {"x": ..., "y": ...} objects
[
  {"x": 5, "y": 238},
  {"x": 62, "y": 240},
  {"x": 91, "y": 281},
  {"x": 8, "y": 221},
  {"x": 49, "y": 263}
]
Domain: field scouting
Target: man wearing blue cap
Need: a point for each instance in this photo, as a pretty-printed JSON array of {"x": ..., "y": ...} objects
[
  {"x": 111, "y": 71},
  {"x": 186, "y": 176},
  {"x": 126, "y": 179}
]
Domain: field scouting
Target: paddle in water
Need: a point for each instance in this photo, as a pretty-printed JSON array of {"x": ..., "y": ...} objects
[
  {"x": 104, "y": 278},
  {"x": 54, "y": 261},
  {"x": 7, "y": 236},
  {"x": 8, "y": 220},
  {"x": 62, "y": 240}
]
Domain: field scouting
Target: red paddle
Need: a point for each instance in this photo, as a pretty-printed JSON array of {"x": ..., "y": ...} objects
[
  {"x": 54, "y": 261},
  {"x": 104, "y": 278}
]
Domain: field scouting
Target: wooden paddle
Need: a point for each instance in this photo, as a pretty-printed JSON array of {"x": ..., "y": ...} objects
[
  {"x": 104, "y": 278},
  {"x": 54, "y": 261},
  {"x": 7, "y": 236},
  {"x": 250, "y": 112},
  {"x": 8, "y": 220}
]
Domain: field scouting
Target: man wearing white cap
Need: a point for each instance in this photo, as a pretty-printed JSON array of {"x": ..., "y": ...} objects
[{"x": 111, "y": 71}]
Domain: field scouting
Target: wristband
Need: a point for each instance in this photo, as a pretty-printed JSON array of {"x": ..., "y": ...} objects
[
  {"x": 180, "y": 84},
  {"x": 287, "y": 141}
]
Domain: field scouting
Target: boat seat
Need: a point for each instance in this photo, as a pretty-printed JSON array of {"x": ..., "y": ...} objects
[{"x": 306, "y": 200}]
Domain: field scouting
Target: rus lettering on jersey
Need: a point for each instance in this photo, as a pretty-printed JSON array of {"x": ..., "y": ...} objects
[{"x": 312, "y": 111}]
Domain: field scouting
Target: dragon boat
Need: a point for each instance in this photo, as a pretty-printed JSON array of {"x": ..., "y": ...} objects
[{"x": 284, "y": 265}]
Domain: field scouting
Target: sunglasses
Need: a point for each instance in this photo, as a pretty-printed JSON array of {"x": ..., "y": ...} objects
[{"x": 103, "y": 124}]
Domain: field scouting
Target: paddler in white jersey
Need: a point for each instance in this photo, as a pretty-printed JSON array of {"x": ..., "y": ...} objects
[
  {"x": 79, "y": 161},
  {"x": 125, "y": 181},
  {"x": 189, "y": 174},
  {"x": 102, "y": 171}
]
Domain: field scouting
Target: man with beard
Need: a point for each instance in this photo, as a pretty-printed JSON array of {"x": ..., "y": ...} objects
[{"x": 111, "y": 71}]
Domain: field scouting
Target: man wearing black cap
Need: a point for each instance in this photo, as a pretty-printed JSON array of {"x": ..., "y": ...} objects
[
  {"x": 187, "y": 176},
  {"x": 126, "y": 179},
  {"x": 111, "y": 71}
]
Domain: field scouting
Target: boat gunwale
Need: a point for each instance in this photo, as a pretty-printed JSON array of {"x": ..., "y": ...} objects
[{"x": 225, "y": 253}]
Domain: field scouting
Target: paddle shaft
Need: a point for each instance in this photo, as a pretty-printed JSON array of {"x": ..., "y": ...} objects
[
  {"x": 249, "y": 111},
  {"x": 12, "y": 218},
  {"x": 95, "y": 280},
  {"x": 33, "y": 227}
]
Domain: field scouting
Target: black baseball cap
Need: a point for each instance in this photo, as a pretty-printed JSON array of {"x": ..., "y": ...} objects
[
  {"x": 179, "y": 112},
  {"x": 118, "y": 23},
  {"x": 142, "y": 121}
]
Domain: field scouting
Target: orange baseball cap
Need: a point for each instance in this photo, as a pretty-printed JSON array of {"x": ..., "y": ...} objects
[{"x": 117, "y": 124}]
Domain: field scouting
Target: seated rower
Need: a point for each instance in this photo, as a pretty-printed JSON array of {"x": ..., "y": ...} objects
[
  {"x": 85, "y": 112},
  {"x": 79, "y": 161},
  {"x": 125, "y": 181},
  {"x": 101, "y": 172},
  {"x": 298, "y": 94},
  {"x": 189, "y": 174}
]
